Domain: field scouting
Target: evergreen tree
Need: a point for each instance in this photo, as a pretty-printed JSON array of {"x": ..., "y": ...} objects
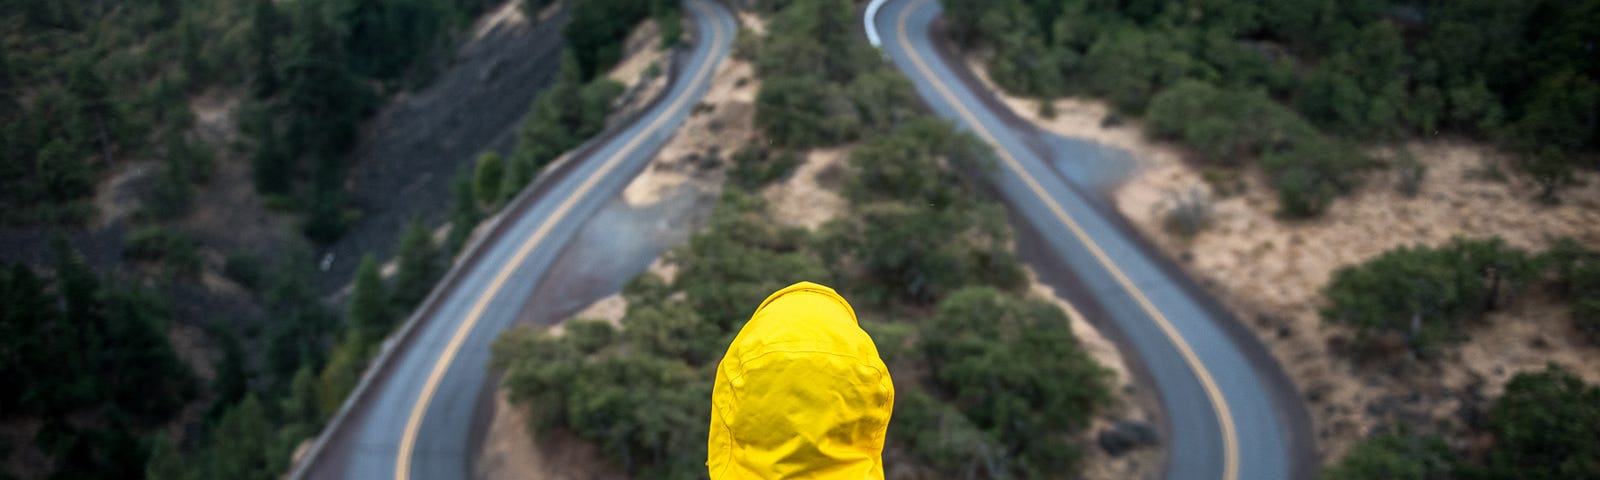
[
  {"x": 419, "y": 266},
  {"x": 488, "y": 178},
  {"x": 369, "y": 314},
  {"x": 464, "y": 213},
  {"x": 1546, "y": 426}
]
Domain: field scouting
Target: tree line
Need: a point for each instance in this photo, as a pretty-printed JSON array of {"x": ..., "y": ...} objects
[
  {"x": 991, "y": 383},
  {"x": 120, "y": 77},
  {"x": 1313, "y": 75}
]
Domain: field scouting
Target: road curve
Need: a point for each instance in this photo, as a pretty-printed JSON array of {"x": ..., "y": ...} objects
[
  {"x": 1230, "y": 411},
  {"x": 412, "y": 415}
]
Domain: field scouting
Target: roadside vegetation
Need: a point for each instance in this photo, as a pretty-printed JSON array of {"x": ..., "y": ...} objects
[
  {"x": 1545, "y": 425},
  {"x": 1296, "y": 87},
  {"x": 989, "y": 383},
  {"x": 99, "y": 389}
]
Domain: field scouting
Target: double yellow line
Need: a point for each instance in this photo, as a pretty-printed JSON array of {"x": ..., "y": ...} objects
[
  {"x": 408, "y": 440},
  {"x": 1230, "y": 441}
]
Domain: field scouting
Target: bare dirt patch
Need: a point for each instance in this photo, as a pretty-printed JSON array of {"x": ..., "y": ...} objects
[
  {"x": 806, "y": 198},
  {"x": 511, "y": 453},
  {"x": 1271, "y": 272},
  {"x": 697, "y": 155}
]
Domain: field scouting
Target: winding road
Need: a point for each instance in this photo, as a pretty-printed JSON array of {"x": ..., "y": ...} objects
[
  {"x": 412, "y": 414},
  {"x": 1230, "y": 411}
]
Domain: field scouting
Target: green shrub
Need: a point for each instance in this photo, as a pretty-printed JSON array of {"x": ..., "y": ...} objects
[
  {"x": 488, "y": 178},
  {"x": 1049, "y": 387},
  {"x": 804, "y": 112},
  {"x": 1546, "y": 426},
  {"x": 419, "y": 265},
  {"x": 1227, "y": 127},
  {"x": 1424, "y": 293},
  {"x": 754, "y": 167},
  {"x": 1578, "y": 269},
  {"x": 170, "y": 248},
  {"x": 1311, "y": 172},
  {"x": 1398, "y": 454}
]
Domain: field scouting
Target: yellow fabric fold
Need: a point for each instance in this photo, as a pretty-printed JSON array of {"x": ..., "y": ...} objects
[{"x": 801, "y": 393}]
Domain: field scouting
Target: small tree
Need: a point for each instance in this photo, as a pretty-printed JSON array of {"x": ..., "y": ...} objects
[
  {"x": 1546, "y": 426},
  {"x": 419, "y": 266},
  {"x": 369, "y": 313},
  {"x": 488, "y": 179},
  {"x": 1014, "y": 368},
  {"x": 464, "y": 213},
  {"x": 1423, "y": 292}
]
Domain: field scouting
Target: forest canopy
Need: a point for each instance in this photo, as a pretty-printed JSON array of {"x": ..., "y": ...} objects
[{"x": 1521, "y": 74}]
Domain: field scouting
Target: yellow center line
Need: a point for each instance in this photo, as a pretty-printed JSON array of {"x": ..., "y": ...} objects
[
  {"x": 408, "y": 441},
  {"x": 1230, "y": 443}
]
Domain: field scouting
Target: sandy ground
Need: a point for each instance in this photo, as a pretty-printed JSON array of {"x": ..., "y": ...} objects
[
  {"x": 554, "y": 456},
  {"x": 698, "y": 154},
  {"x": 1270, "y": 272},
  {"x": 810, "y": 195}
]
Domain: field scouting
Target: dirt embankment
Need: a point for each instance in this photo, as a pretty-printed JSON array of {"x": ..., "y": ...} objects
[{"x": 1270, "y": 272}]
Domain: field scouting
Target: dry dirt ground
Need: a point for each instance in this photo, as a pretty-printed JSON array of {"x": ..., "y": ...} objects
[{"x": 1271, "y": 272}]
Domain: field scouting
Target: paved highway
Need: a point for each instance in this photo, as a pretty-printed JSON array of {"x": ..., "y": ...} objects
[
  {"x": 412, "y": 416},
  {"x": 1230, "y": 412}
]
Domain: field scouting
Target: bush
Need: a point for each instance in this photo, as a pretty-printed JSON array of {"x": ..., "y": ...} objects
[
  {"x": 1227, "y": 127},
  {"x": 905, "y": 252},
  {"x": 1423, "y": 292},
  {"x": 754, "y": 167},
  {"x": 245, "y": 268},
  {"x": 804, "y": 112},
  {"x": 1578, "y": 269},
  {"x": 1546, "y": 426},
  {"x": 173, "y": 249},
  {"x": 1398, "y": 454},
  {"x": 1311, "y": 172},
  {"x": 1049, "y": 387},
  {"x": 1188, "y": 212},
  {"x": 487, "y": 179}
]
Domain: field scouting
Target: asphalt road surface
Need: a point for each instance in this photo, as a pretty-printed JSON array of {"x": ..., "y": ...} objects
[
  {"x": 412, "y": 417},
  {"x": 1230, "y": 411}
]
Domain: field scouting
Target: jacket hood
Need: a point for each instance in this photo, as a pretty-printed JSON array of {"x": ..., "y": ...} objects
[{"x": 801, "y": 393}]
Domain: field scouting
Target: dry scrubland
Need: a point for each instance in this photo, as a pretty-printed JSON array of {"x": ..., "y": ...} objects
[{"x": 1270, "y": 272}]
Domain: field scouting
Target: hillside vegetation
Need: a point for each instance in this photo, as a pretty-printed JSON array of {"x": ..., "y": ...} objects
[
  {"x": 88, "y": 89},
  {"x": 989, "y": 383},
  {"x": 1293, "y": 86}
]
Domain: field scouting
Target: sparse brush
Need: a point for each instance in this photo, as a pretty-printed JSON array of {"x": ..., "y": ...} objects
[
  {"x": 1409, "y": 174},
  {"x": 1189, "y": 211}
]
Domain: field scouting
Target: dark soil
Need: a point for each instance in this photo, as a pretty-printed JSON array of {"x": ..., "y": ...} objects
[{"x": 419, "y": 141}]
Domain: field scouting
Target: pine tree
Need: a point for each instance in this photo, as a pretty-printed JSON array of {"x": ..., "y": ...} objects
[
  {"x": 419, "y": 266},
  {"x": 487, "y": 179},
  {"x": 464, "y": 214},
  {"x": 368, "y": 314}
]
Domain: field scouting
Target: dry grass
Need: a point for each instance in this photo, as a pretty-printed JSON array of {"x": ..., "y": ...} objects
[{"x": 1271, "y": 272}]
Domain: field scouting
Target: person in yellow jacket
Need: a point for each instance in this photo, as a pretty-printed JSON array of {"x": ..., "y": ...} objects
[{"x": 801, "y": 393}]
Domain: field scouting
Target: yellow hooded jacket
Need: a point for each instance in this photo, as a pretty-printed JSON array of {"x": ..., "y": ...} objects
[{"x": 801, "y": 393}]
